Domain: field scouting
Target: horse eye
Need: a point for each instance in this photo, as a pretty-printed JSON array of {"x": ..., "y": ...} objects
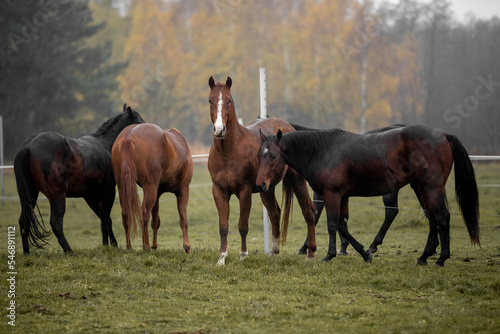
[
  {"x": 274, "y": 156},
  {"x": 229, "y": 101},
  {"x": 210, "y": 101}
]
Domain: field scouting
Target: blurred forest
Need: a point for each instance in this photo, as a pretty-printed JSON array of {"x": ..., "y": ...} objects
[{"x": 67, "y": 66}]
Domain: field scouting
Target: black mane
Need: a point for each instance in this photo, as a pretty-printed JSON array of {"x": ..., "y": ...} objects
[
  {"x": 313, "y": 142},
  {"x": 109, "y": 124}
]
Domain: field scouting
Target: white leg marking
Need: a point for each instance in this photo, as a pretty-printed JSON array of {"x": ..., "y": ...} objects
[
  {"x": 243, "y": 255},
  {"x": 275, "y": 247},
  {"x": 222, "y": 259}
]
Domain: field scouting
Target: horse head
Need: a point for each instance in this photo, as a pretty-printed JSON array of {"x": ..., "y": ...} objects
[
  {"x": 221, "y": 105},
  {"x": 132, "y": 116},
  {"x": 271, "y": 162}
]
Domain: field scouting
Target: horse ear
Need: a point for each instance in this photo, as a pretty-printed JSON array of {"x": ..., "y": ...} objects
[
  {"x": 124, "y": 107},
  {"x": 262, "y": 136},
  {"x": 229, "y": 82},
  {"x": 279, "y": 135},
  {"x": 129, "y": 110},
  {"x": 211, "y": 82}
]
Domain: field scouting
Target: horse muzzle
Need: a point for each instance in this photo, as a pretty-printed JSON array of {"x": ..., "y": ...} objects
[
  {"x": 263, "y": 187},
  {"x": 219, "y": 132}
]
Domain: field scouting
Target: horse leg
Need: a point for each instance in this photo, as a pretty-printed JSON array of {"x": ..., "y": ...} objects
[
  {"x": 182, "y": 202},
  {"x": 416, "y": 189},
  {"x": 342, "y": 226},
  {"x": 57, "y": 210},
  {"x": 155, "y": 222},
  {"x": 343, "y": 246},
  {"x": 439, "y": 222},
  {"x": 102, "y": 208},
  {"x": 318, "y": 209},
  {"x": 332, "y": 205},
  {"x": 150, "y": 192},
  {"x": 221, "y": 198},
  {"x": 299, "y": 185},
  {"x": 274, "y": 212},
  {"x": 391, "y": 211},
  {"x": 245, "y": 198}
]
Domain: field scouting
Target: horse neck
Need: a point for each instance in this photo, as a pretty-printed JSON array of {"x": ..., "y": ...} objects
[
  {"x": 234, "y": 133},
  {"x": 108, "y": 138}
]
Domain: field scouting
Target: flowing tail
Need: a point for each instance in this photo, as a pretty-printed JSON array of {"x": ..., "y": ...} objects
[
  {"x": 129, "y": 198},
  {"x": 32, "y": 229},
  {"x": 287, "y": 204},
  {"x": 466, "y": 188}
]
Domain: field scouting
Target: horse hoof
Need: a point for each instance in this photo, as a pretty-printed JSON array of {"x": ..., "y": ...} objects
[
  {"x": 327, "y": 258},
  {"x": 243, "y": 255},
  {"x": 369, "y": 258},
  {"x": 372, "y": 250},
  {"x": 302, "y": 252},
  {"x": 342, "y": 253},
  {"x": 222, "y": 259},
  {"x": 421, "y": 263},
  {"x": 440, "y": 265}
]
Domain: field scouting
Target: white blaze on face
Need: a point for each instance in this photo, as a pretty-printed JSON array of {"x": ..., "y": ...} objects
[{"x": 218, "y": 126}]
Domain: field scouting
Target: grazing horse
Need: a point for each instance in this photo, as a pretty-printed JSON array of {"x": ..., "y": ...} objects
[
  {"x": 390, "y": 202},
  {"x": 61, "y": 167},
  {"x": 339, "y": 164},
  {"x": 233, "y": 166},
  {"x": 159, "y": 161}
]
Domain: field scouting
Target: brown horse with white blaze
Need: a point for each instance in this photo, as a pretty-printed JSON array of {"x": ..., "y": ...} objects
[
  {"x": 159, "y": 161},
  {"x": 233, "y": 164}
]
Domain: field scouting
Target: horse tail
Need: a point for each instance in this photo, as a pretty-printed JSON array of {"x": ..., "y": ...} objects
[
  {"x": 287, "y": 204},
  {"x": 129, "y": 197},
  {"x": 30, "y": 225},
  {"x": 466, "y": 188}
]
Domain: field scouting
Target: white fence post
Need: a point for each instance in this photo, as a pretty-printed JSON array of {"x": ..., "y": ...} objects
[{"x": 263, "y": 114}]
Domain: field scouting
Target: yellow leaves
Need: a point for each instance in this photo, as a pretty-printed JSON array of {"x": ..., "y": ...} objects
[{"x": 302, "y": 44}]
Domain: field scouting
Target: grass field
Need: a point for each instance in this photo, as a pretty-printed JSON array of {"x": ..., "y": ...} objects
[{"x": 112, "y": 290}]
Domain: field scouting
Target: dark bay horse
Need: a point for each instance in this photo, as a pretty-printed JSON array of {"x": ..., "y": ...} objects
[
  {"x": 233, "y": 166},
  {"x": 339, "y": 164},
  {"x": 61, "y": 167},
  {"x": 159, "y": 161},
  {"x": 390, "y": 202}
]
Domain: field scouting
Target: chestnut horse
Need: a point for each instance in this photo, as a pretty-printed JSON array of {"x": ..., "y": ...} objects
[
  {"x": 233, "y": 166},
  {"x": 339, "y": 164},
  {"x": 159, "y": 161},
  {"x": 61, "y": 167}
]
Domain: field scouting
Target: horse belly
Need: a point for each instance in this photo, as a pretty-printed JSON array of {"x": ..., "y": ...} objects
[{"x": 376, "y": 180}]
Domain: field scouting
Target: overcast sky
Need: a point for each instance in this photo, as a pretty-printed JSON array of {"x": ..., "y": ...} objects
[{"x": 482, "y": 9}]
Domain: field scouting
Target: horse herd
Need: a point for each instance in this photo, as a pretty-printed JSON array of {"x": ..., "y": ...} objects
[{"x": 336, "y": 164}]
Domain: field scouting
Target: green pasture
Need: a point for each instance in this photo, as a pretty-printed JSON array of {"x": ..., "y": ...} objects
[{"x": 112, "y": 290}]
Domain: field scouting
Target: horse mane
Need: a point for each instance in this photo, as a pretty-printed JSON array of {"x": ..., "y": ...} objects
[
  {"x": 312, "y": 142},
  {"x": 110, "y": 123}
]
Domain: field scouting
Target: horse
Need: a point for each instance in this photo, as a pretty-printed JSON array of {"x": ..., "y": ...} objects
[
  {"x": 62, "y": 167},
  {"x": 233, "y": 166},
  {"x": 390, "y": 202},
  {"x": 340, "y": 164},
  {"x": 159, "y": 161}
]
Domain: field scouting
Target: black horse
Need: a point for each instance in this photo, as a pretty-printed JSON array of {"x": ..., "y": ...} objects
[
  {"x": 390, "y": 203},
  {"x": 339, "y": 164},
  {"x": 61, "y": 167}
]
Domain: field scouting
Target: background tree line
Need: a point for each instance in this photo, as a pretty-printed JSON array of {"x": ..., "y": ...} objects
[{"x": 69, "y": 65}]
